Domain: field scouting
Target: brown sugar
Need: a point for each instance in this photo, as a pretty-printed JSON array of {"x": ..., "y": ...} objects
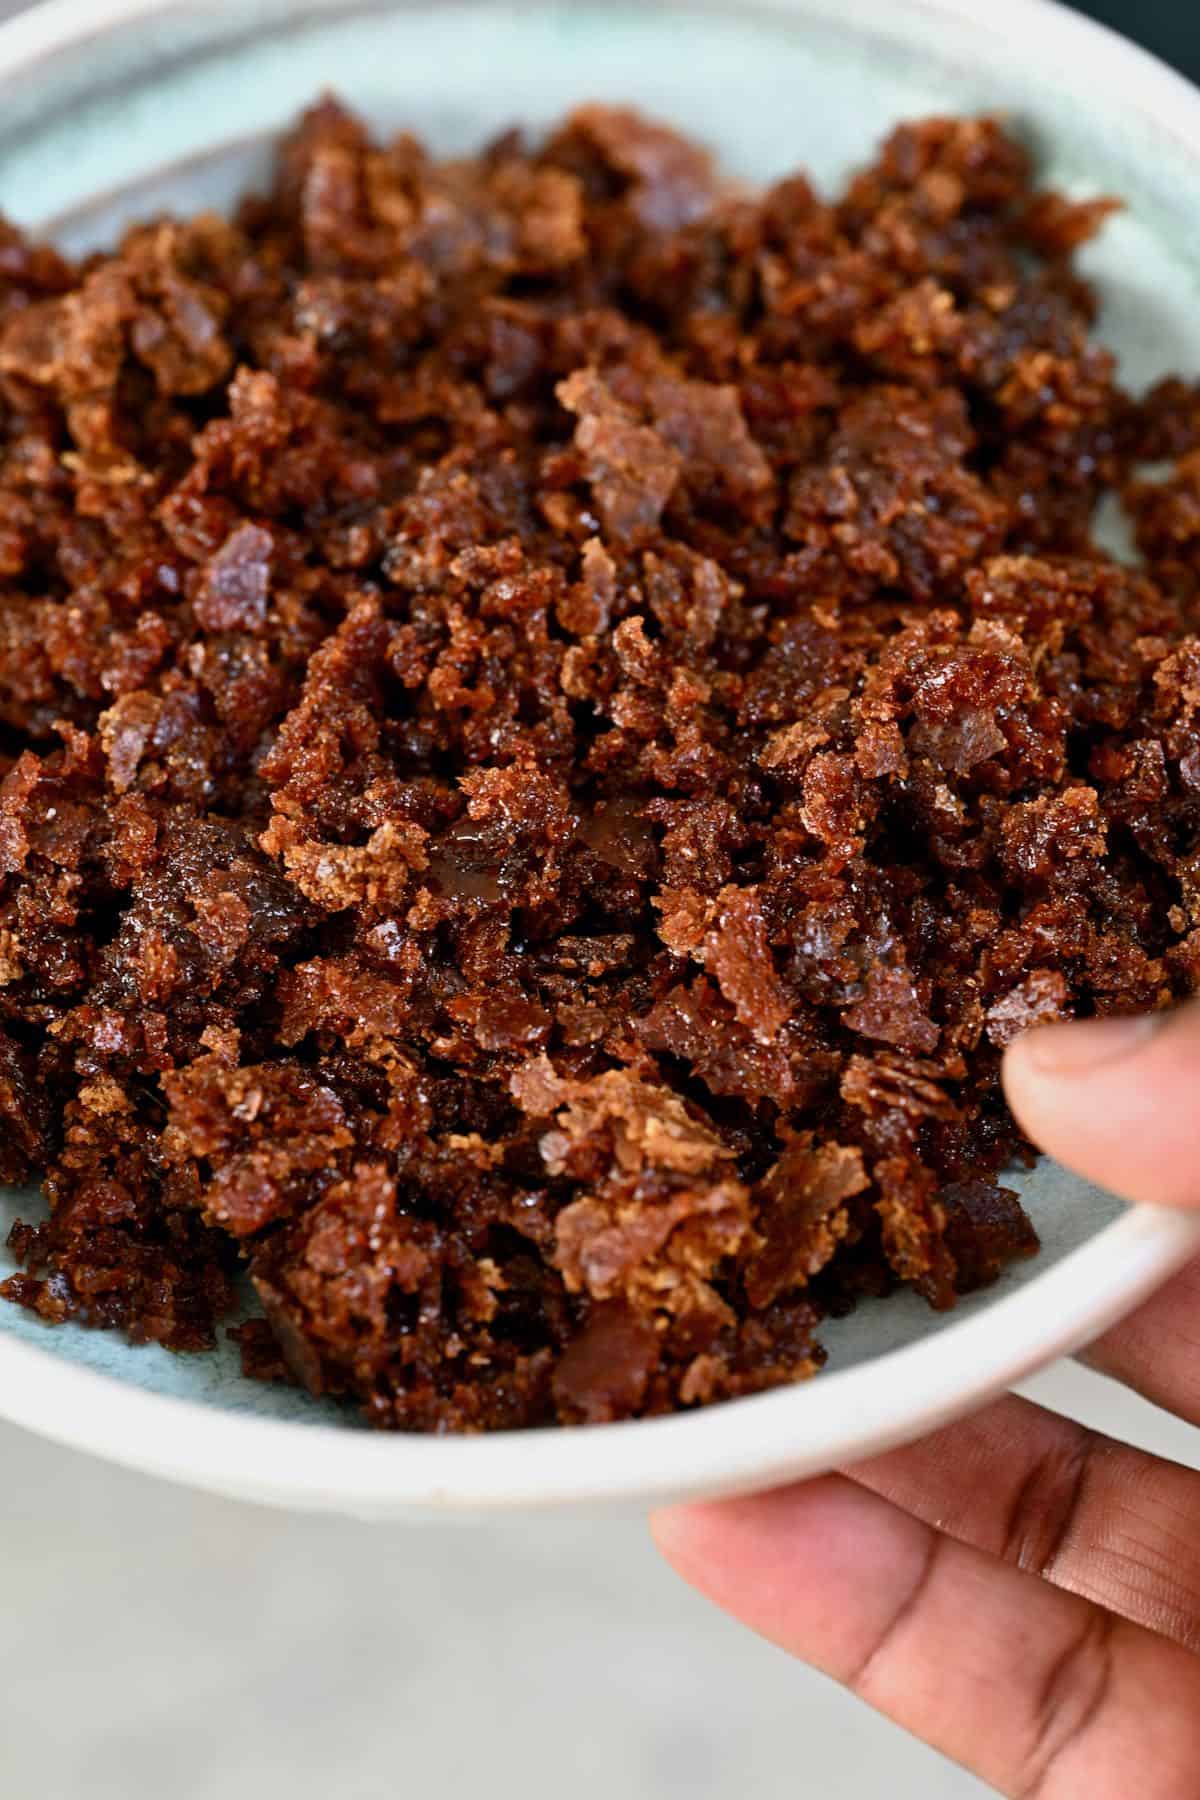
[{"x": 557, "y": 716}]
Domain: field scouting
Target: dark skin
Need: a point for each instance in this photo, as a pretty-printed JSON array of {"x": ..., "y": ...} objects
[{"x": 1020, "y": 1592}]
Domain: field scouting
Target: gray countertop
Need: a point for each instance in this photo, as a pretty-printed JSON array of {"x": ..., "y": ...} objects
[{"x": 144, "y": 1629}]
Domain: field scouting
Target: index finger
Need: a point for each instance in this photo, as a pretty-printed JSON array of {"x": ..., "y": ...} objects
[{"x": 1039, "y": 1692}]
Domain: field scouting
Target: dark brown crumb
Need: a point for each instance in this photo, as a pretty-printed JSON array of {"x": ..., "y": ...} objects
[{"x": 557, "y": 716}]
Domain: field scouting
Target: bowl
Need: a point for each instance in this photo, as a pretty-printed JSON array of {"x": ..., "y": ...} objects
[{"x": 108, "y": 111}]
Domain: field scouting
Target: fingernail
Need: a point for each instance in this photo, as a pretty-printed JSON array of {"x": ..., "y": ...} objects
[{"x": 1089, "y": 1043}]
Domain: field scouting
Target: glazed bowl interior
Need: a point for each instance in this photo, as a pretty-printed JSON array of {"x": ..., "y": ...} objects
[{"x": 110, "y": 112}]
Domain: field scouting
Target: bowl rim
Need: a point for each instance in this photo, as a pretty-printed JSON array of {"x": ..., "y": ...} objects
[
  {"x": 737, "y": 1445},
  {"x": 733, "y": 1447},
  {"x": 48, "y": 27}
]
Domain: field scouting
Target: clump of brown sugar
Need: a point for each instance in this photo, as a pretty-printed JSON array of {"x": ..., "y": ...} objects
[{"x": 557, "y": 717}]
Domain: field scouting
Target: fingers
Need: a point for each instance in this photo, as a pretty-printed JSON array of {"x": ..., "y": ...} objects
[
  {"x": 916, "y": 1584},
  {"x": 1156, "y": 1350},
  {"x": 1118, "y": 1100},
  {"x": 1038, "y": 1691},
  {"x": 1115, "y": 1100},
  {"x": 1051, "y": 1497}
]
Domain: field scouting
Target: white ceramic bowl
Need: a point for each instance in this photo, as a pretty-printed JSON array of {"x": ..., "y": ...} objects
[{"x": 107, "y": 110}]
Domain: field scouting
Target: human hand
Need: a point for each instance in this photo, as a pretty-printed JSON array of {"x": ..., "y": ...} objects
[{"x": 1021, "y": 1592}]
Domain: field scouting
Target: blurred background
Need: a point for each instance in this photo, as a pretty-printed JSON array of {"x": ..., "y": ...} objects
[{"x": 156, "y": 1643}]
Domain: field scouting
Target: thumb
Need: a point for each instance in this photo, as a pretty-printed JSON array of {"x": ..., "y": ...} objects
[{"x": 1117, "y": 1100}]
